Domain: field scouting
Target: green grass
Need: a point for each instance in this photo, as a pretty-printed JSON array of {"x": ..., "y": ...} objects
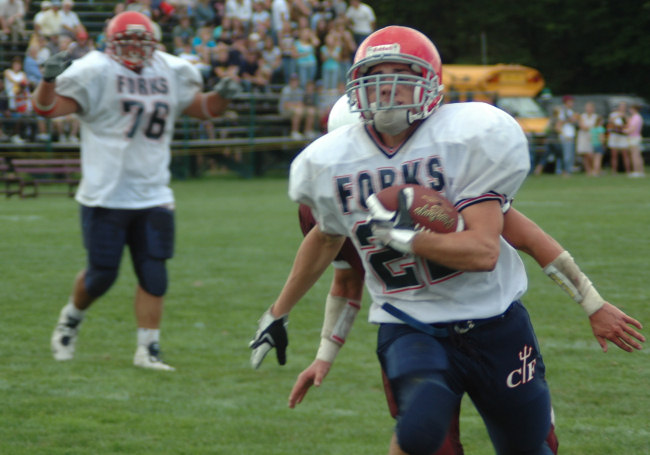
[{"x": 236, "y": 241}]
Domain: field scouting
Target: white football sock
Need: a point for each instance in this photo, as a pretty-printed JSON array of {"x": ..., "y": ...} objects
[
  {"x": 73, "y": 312},
  {"x": 148, "y": 336}
]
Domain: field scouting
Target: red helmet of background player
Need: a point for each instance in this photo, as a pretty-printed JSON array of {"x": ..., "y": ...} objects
[
  {"x": 130, "y": 39},
  {"x": 395, "y": 44}
]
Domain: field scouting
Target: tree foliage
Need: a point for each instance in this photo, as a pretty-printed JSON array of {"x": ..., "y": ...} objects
[{"x": 582, "y": 46}]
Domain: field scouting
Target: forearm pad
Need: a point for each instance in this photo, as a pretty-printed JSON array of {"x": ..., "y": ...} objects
[
  {"x": 566, "y": 274},
  {"x": 339, "y": 317}
]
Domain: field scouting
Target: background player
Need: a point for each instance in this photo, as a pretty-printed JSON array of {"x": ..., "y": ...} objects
[{"x": 128, "y": 100}]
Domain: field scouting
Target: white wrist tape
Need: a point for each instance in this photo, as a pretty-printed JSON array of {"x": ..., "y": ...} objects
[
  {"x": 566, "y": 273},
  {"x": 204, "y": 107},
  {"x": 339, "y": 317}
]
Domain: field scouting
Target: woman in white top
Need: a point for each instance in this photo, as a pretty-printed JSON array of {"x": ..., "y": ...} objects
[{"x": 587, "y": 120}]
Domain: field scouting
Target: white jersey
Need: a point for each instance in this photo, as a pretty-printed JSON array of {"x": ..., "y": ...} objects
[
  {"x": 470, "y": 152},
  {"x": 127, "y": 124}
]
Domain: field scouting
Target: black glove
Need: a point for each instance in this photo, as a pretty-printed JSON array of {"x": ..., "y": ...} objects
[
  {"x": 271, "y": 333},
  {"x": 227, "y": 88},
  {"x": 55, "y": 65}
]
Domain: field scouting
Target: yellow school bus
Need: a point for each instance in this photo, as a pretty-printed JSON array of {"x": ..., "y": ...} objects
[{"x": 512, "y": 88}]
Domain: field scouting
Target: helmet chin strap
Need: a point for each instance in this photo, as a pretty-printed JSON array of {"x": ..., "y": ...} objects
[{"x": 391, "y": 121}]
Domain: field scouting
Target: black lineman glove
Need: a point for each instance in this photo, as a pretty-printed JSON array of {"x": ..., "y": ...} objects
[
  {"x": 227, "y": 88},
  {"x": 394, "y": 229},
  {"x": 55, "y": 65},
  {"x": 271, "y": 333}
]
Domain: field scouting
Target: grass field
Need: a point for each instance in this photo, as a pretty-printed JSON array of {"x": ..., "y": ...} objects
[{"x": 235, "y": 243}]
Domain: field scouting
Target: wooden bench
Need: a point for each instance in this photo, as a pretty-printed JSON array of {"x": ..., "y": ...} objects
[
  {"x": 42, "y": 171},
  {"x": 7, "y": 177}
]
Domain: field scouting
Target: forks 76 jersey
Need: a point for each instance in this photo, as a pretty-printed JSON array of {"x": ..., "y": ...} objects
[{"x": 127, "y": 122}]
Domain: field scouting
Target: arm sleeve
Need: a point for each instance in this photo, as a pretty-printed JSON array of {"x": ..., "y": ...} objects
[{"x": 496, "y": 163}]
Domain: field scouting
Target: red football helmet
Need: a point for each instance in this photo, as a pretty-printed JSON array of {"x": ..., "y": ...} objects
[
  {"x": 130, "y": 39},
  {"x": 395, "y": 44}
]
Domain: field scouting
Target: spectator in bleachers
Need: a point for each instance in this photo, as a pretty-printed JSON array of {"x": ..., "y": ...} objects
[
  {"x": 164, "y": 13},
  {"x": 237, "y": 30},
  {"x": 203, "y": 43},
  {"x": 287, "y": 45},
  {"x": 348, "y": 45},
  {"x": 17, "y": 91},
  {"x": 339, "y": 7},
  {"x": 279, "y": 15},
  {"x": 361, "y": 18},
  {"x": 272, "y": 58},
  {"x": 12, "y": 20},
  {"x": 306, "y": 63},
  {"x": 331, "y": 61},
  {"x": 253, "y": 76},
  {"x": 198, "y": 59},
  {"x": 20, "y": 107},
  {"x": 321, "y": 28},
  {"x": 100, "y": 40},
  {"x": 204, "y": 13},
  {"x": 32, "y": 69},
  {"x": 292, "y": 105},
  {"x": 261, "y": 18},
  {"x": 240, "y": 9},
  {"x": 14, "y": 78},
  {"x": 224, "y": 62},
  {"x": 44, "y": 52},
  {"x": 81, "y": 45},
  {"x": 182, "y": 32},
  {"x": 322, "y": 11},
  {"x": 223, "y": 32},
  {"x": 49, "y": 23},
  {"x": 69, "y": 19},
  {"x": 38, "y": 17},
  {"x": 298, "y": 9},
  {"x": 31, "y": 66}
]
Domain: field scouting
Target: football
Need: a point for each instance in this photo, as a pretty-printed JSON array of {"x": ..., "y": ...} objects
[{"x": 429, "y": 210}]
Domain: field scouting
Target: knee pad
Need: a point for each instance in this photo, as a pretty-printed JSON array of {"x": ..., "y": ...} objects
[
  {"x": 424, "y": 423},
  {"x": 98, "y": 280},
  {"x": 152, "y": 276}
]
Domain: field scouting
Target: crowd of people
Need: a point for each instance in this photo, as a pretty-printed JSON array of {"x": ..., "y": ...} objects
[
  {"x": 56, "y": 27},
  {"x": 586, "y": 136},
  {"x": 261, "y": 43}
]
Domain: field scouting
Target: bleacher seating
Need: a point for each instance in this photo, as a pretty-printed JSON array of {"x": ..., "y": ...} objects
[{"x": 252, "y": 123}]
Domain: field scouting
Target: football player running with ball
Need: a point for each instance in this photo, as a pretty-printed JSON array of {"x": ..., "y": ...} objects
[
  {"x": 441, "y": 333},
  {"x": 127, "y": 100}
]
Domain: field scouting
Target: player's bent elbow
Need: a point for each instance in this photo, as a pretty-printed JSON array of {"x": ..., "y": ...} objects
[{"x": 485, "y": 259}]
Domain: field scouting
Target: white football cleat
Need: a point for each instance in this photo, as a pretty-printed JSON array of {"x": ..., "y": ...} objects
[
  {"x": 64, "y": 337},
  {"x": 149, "y": 357}
]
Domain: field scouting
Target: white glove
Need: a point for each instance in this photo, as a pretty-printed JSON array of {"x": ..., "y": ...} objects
[
  {"x": 271, "y": 333},
  {"x": 394, "y": 229}
]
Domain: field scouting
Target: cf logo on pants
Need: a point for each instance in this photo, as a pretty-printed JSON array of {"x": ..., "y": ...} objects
[{"x": 526, "y": 372}]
